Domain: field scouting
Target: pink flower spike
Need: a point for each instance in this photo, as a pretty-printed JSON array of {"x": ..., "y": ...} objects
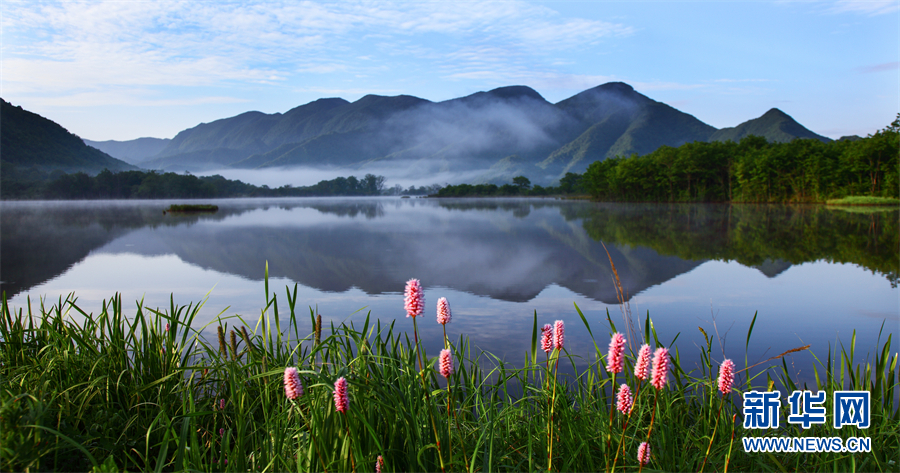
[
  {"x": 446, "y": 362},
  {"x": 443, "y": 311},
  {"x": 660, "y": 368},
  {"x": 726, "y": 376},
  {"x": 547, "y": 338},
  {"x": 379, "y": 464},
  {"x": 222, "y": 403},
  {"x": 341, "y": 399},
  {"x": 559, "y": 334},
  {"x": 414, "y": 301},
  {"x": 221, "y": 432},
  {"x": 293, "y": 388},
  {"x": 644, "y": 453},
  {"x": 615, "y": 360},
  {"x": 624, "y": 400},
  {"x": 642, "y": 365}
]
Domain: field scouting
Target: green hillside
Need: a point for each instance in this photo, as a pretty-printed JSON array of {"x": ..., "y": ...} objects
[
  {"x": 621, "y": 122},
  {"x": 775, "y": 126},
  {"x": 29, "y": 140}
]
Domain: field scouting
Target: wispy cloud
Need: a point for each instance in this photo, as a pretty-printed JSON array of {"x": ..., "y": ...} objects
[
  {"x": 867, "y": 7},
  {"x": 80, "y": 47},
  {"x": 888, "y": 66}
]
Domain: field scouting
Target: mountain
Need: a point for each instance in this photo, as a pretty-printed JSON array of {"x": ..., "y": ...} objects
[
  {"x": 774, "y": 125},
  {"x": 621, "y": 122},
  {"x": 499, "y": 133},
  {"x": 484, "y": 130},
  {"x": 131, "y": 151},
  {"x": 30, "y": 140}
]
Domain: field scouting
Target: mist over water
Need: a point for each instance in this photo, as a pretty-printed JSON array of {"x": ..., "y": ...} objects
[{"x": 403, "y": 173}]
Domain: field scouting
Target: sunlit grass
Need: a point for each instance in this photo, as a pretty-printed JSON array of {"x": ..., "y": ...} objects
[
  {"x": 863, "y": 200},
  {"x": 82, "y": 390}
]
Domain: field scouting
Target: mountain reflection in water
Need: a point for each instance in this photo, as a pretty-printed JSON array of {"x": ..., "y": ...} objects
[
  {"x": 498, "y": 262},
  {"x": 503, "y": 249}
]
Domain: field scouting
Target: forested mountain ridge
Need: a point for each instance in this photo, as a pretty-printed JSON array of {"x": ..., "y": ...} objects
[
  {"x": 775, "y": 126},
  {"x": 472, "y": 132},
  {"x": 28, "y": 140},
  {"x": 481, "y": 131},
  {"x": 499, "y": 133}
]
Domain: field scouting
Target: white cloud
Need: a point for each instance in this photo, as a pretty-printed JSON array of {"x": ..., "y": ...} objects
[
  {"x": 888, "y": 66},
  {"x": 130, "y": 97},
  {"x": 868, "y": 7},
  {"x": 78, "y": 47}
]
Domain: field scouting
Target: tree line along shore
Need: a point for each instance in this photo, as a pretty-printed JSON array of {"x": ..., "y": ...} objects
[{"x": 752, "y": 170}]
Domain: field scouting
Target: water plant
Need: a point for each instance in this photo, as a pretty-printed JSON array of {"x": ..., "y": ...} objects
[{"x": 81, "y": 390}]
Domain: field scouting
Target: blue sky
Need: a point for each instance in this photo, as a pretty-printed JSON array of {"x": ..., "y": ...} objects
[{"x": 126, "y": 69}]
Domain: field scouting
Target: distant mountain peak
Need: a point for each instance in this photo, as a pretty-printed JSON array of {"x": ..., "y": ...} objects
[
  {"x": 775, "y": 112},
  {"x": 774, "y": 125},
  {"x": 515, "y": 91},
  {"x": 615, "y": 87}
]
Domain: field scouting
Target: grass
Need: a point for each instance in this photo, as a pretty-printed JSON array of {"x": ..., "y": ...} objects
[
  {"x": 83, "y": 391},
  {"x": 193, "y": 208},
  {"x": 863, "y": 200}
]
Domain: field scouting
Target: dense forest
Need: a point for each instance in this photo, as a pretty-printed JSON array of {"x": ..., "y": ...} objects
[
  {"x": 754, "y": 170},
  {"x": 31, "y": 183}
]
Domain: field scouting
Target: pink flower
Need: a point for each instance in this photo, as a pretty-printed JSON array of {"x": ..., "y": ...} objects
[
  {"x": 221, "y": 432},
  {"x": 642, "y": 365},
  {"x": 167, "y": 326},
  {"x": 547, "y": 338},
  {"x": 341, "y": 399},
  {"x": 443, "y": 311},
  {"x": 559, "y": 334},
  {"x": 379, "y": 464},
  {"x": 446, "y": 362},
  {"x": 615, "y": 360},
  {"x": 726, "y": 376},
  {"x": 222, "y": 401},
  {"x": 414, "y": 301},
  {"x": 644, "y": 453},
  {"x": 293, "y": 388},
  {"x": 624, "y": 399},
  {"x": 660, "y": 368}
]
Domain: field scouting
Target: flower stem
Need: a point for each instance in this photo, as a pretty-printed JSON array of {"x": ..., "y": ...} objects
[
  {"x": 437, "y": 438},
  {"x": 713, "y": 436},
  {"x": 552, "y": 406}
]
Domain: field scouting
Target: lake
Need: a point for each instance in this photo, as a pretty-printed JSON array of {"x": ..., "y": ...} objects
[{"x": 812, "y": 274}]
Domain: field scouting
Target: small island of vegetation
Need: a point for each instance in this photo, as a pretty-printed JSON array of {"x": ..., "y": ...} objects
[{"x": 190, "y": 208}]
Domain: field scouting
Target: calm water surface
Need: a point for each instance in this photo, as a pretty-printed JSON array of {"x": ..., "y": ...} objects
[{"x": 813, "y": 275}]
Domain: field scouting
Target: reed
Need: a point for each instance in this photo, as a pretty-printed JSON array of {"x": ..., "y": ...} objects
[{"x": 82, "y": 390}]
